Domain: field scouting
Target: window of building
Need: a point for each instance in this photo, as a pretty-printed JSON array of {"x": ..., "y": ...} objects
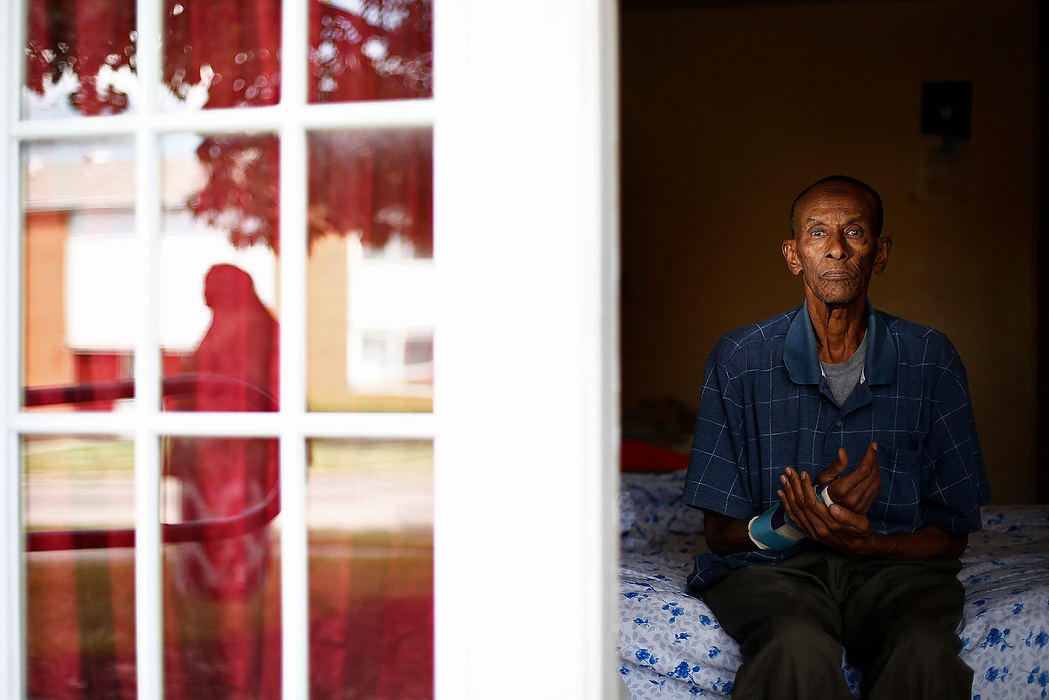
[{"x": 222, "y": 243}]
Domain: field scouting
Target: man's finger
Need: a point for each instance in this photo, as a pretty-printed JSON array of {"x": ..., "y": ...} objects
[
  {"x": 871, "y": 456},
  {"x": 835, "y": 469},
  {"x": 853, "y": 522},
  {"x": 802, "y": 505}
]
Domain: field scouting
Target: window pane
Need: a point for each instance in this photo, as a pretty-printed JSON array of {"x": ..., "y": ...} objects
[
  {"x": 221, "y": 53},
  {"x": 80, "y": 568},
  {"x": 370, "y": 517},
  {"x": 80, "y": 58},
  {"x": 370, "y": 287},
  {"x": 218, "y": 324},
  {"x": 80, "y": 275},
  {"x": 370, "y": 50},
  {"x": 80, "y": 54},
  {"x": 221, "y": 568}
]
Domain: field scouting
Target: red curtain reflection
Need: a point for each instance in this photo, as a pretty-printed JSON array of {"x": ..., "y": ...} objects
[{"x": 377, "y": 185}]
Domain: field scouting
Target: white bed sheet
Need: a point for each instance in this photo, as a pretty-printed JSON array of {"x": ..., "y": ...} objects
[{"x": 671, "y": 645}]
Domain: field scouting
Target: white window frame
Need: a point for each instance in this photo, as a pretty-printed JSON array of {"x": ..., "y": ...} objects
[{"x": 525, "y": 420}]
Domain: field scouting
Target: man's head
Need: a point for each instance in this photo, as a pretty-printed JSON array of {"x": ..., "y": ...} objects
[
  {"x": 836, "y": 242},
  {"x": 227, "y": 286},
  {"x": 840, "y": 179}
]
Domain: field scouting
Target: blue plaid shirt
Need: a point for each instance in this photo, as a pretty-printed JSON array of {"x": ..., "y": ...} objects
[{"x": 766, "y": 406}]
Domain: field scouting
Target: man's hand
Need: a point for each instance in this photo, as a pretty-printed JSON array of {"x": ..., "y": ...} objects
[
  {"x": 856, "y": 490},
  {"x": 838, "y": 527},
  {"x": 852, "y": 533}
]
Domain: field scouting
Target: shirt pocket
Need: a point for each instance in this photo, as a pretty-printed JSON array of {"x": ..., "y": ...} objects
[{"x": 898, "y": 505}]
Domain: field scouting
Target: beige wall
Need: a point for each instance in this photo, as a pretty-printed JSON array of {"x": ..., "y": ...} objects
[
  {"x": 326, "y": 323},
  {"x": 729, "y": 112},
  {"x": 48, "y": 358}
]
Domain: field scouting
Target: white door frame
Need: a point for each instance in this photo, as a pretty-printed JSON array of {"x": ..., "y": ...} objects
[{"x": 527, "y": 383}]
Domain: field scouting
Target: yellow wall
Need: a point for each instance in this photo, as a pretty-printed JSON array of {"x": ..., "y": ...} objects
[{"x": 729, "y": 112}]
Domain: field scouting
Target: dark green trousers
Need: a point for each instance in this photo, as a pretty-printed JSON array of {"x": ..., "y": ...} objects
[{"x": 897, "y": 620}]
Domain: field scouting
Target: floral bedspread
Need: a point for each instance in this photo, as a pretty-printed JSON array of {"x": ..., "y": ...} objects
[{"x": 671, "y": 645}]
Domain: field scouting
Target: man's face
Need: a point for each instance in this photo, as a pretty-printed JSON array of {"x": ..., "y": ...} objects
[{"x": 835, "y": 248}]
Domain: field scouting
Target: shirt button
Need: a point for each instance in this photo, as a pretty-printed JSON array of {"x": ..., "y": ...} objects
[{"x": 838, "y": 423}]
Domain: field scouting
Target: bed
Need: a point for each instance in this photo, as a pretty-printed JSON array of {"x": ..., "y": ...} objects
[{"x": 671, "y": 645}]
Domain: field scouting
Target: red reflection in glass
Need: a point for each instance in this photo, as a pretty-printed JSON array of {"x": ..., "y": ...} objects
[
  {"x": 80, "y": 625},
  {"x": 222, "y": 593},
  {"x": 369, "y": 313},
  {"x": 383, "y": 50},
  {"x": 231, "y": 47},
  {"x": 370, "y": 518},
  {"x": 78, "y": 232},
  {"x": 217, "y": 585},
  {"x": 80, "y": 620},
  {"x": 241, "y": 191},
  {"x": 376, "y": 184},
  {"x": 236, "y": 365},
  {"x": 226, "y": 53},
  {"x": 87, "y": 40}
]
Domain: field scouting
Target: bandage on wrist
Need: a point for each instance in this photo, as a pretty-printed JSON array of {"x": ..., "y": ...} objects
[
  {"x": 774, "y": 530},
  {"x": 823, "y": 491}
]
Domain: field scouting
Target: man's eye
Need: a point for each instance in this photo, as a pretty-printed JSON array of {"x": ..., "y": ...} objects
[
  {"x": 816, "y": 233},
  {"x": 854, "y": 232}
]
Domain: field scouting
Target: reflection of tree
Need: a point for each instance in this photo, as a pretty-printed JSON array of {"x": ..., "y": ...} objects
[
  {"x": 381, "y": 52},
  {"x": 378, "y": 183},
  {"x": 242, "y": 187},
  {"x": 66, "y": 39}
]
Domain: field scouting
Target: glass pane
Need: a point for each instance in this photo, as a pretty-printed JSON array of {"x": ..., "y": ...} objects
[
  {"x": 370, "y": 50},
  {"x": 370, "y": 272},
  {"x": 221, "y": 53},
  {"x": 221, "y": 568},
  {"x": 80, "y": 58},
  {"x": 78, "y": 498},
  {"x": 218, "y": 320},
  {"x": 370, "y": 517},
  {"x": 78, "y": 327}
]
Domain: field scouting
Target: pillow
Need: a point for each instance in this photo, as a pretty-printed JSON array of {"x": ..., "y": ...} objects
[{"x": 637, "y": 456}]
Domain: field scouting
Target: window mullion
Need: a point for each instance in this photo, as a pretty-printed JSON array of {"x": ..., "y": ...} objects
[
  {"x": 293, "y": 217},
  {"x": 343, "y": 115},
  {"x": 294, "y": 582},
  {"x": 12, "y": 583},
  {"x": 386, "y": 426},
  {"x": 12, "y": 588},
  {"x": 149, "y": 623}
]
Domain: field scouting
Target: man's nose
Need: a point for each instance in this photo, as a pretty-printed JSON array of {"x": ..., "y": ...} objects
[{"x": 837, "y": 247}]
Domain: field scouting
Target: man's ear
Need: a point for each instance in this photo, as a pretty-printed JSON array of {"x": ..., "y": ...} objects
[
  {"x": 790, "y": 254},
  {"x": 882, "y": 259}
]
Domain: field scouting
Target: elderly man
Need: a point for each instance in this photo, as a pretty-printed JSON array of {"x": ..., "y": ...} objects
[{"x": 836, "y": 458}]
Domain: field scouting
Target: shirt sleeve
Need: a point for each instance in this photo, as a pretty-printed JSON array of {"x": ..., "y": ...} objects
[
  {"x": 953, "y": 478},
  {"x": 715, "y": 479}
]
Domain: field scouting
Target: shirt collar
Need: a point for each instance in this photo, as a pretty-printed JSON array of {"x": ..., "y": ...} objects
[{"x": 802, "y": 358}]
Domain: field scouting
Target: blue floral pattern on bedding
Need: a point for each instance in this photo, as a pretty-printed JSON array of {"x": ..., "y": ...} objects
[{"x": 671, "y": 645}]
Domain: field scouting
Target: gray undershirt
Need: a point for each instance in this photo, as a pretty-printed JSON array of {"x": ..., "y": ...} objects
[{"x": 842, "y": 377}]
